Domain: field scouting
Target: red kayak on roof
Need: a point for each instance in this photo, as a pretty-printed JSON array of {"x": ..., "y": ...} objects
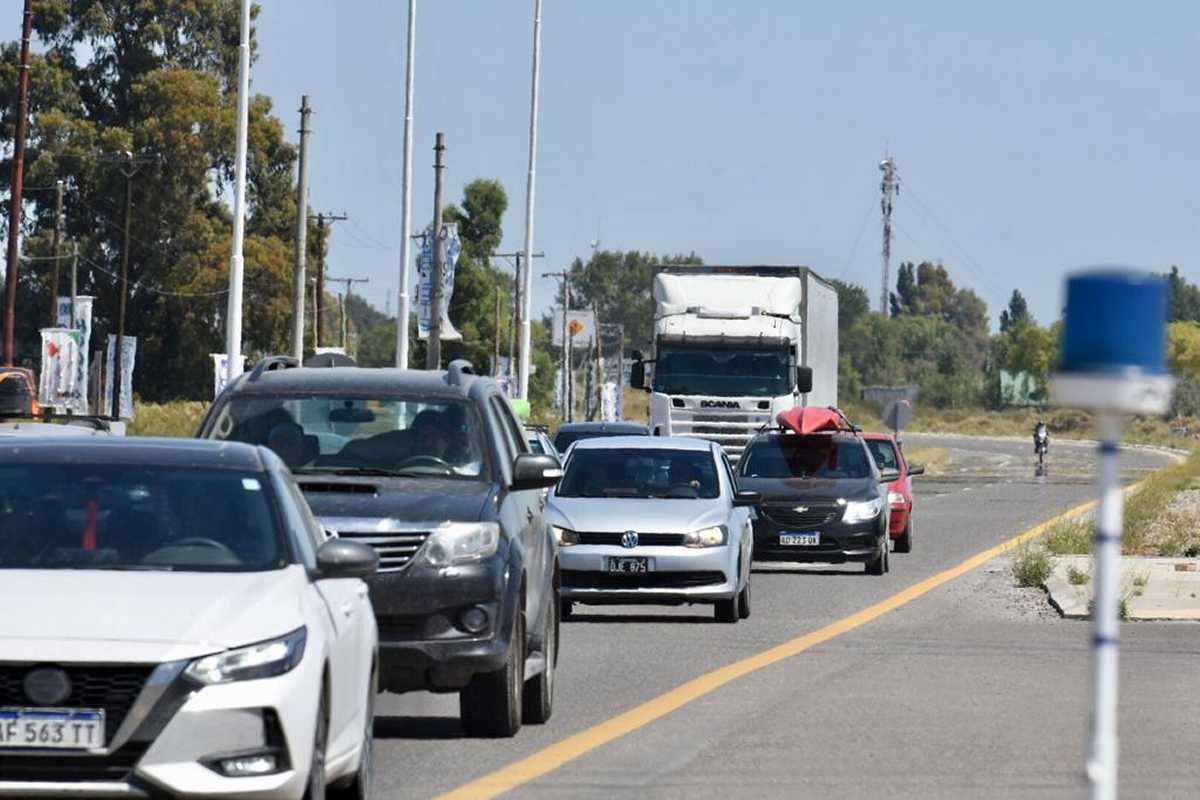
[{"x": 810, "y": 420}]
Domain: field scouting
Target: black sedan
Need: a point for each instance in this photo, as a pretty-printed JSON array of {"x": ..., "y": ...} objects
[{"x": 824, "y": 500}]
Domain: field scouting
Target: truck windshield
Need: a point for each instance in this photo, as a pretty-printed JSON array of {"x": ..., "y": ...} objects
[{"x": 723, "y": 371}]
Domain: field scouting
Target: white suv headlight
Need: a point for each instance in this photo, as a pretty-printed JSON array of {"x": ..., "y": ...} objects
[
  {"x": 261, "y": 660},
  {"x": 460, "y": 542},
  {"x": 709, "y": 537},
  {"x": 864, "y": 511}
]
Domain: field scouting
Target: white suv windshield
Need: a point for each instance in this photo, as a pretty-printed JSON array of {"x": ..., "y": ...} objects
[{"x": 335, "y": 434}]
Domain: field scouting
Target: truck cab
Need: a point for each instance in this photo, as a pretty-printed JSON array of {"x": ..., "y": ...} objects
[{"x": 734, "y": 346}]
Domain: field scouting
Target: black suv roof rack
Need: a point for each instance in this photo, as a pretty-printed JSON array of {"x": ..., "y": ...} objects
[
  {"x": 458, "y": 371},
  {"x": 271, "y": 364}
]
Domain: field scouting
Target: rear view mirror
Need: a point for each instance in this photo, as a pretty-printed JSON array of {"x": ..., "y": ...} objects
[
  {"x": 341, "y": 558},
  {"x": 532, "y": 471},
  {"x": 637, "y": 375},
  {"x": 352, "y": 414},
  {"x": 889, "y": 475},
  {"x": 804, "y": 379},
  {"x": 916, "y": 469}
]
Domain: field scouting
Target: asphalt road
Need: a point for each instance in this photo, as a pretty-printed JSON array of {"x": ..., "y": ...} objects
[{"x": 972, "y": 690}]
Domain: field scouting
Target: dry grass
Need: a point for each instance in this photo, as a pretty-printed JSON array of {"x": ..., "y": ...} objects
[
  {"x": 934, "y": 459},
  {"x": 179, "y": 419}
]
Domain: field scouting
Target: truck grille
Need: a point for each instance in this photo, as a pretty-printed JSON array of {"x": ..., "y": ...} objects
[
  {"x": 788, "y": 515},
  {"x": 111, "y": 688},
  {"x": 395, "y": 549},
  {"x": 731, "y": 428}
]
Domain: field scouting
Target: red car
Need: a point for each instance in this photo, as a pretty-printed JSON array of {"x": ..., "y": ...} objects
[{"x": 889, "y": 455}]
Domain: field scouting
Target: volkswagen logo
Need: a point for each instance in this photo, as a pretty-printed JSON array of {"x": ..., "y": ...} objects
[
  {"x": 629, "y": 540},
  {"x": 47, "y": 686},
  {"x": 800, "y": 509}
]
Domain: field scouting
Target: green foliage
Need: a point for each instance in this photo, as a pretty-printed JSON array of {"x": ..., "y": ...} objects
[
  {"x": 1183, "y": 297},
  {"x": 1077, "y": 577},
  {"x": 853, "y": 304},
  {"x": 1069, "y": 537},
  {"x": 1017, "y": 314},
  {"x": 1031, "y": 565},
  {"x": 926, "y": 290}
]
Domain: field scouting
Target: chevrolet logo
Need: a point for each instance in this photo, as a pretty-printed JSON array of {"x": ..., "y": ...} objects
[{"x": 800, "y": 509}]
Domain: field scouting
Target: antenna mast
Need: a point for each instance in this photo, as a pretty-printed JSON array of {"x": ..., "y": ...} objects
[{"x": 890, "y": 187}]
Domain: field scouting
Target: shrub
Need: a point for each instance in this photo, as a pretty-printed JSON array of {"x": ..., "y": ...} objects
[
  {"x": 1031, "y": 565},
  {"x": 1077, "y": 577}
]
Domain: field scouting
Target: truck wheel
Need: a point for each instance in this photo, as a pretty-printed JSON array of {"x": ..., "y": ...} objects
[
  {"x": 490, "y": 705},
  {"x": 538, "y": 701},
  {"x": 904, "y": 540}
]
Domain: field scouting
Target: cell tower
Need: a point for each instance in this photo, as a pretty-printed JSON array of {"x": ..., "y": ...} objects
[{"x": 890, "y": 187}]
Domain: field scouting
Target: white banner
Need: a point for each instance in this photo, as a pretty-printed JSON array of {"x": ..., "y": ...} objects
[
  {"x": 78, "y": 401},
  {"x": 221, "y": 372},
  {"x": 128, "y": 356},
  {"x": 452, "y": 246},
  {"x": 611, "y": 402},
  {"x": 58, "y": 384}
]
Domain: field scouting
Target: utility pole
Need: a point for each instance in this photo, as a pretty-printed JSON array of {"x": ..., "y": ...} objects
[
  {"x": 58, "y": 228},
  {"x": 566, "y": 347},
  {"x": 516, "y": 315},
  {"x": 530, "y": 186},
  {"x": 496, "y": 338},
  {"x": 890, "y": 187},
  {"x": 130, "y": 168},
  {"x": 402, "y": 310},
  {"x": 18, "y": 186},
  {"x": 74, "y": 285},
  {"x": 349, "y": 289},
  {"x": 319, "y": 301},
  {"x": 433, "y": 350},
  {"x": 298, "y": 286}
]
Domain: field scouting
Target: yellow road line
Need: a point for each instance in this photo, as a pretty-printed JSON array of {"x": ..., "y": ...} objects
[{"x": 551, "y": 758}]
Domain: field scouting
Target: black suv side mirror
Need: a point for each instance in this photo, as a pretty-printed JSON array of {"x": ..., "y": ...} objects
[
  {"x": 804, "y": 379},
  {"x": 747, "y": 498},
  {"x": 535, "y": 471},
  {"x": 339, "y": 558}
]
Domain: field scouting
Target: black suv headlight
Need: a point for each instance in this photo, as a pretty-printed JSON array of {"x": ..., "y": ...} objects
[{"x": 460, "y": 543}]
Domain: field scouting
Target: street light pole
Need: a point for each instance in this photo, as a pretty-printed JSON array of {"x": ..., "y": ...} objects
[
  {"x": 402, "y": 308},
  {"x": 530, "y": 187},
  {"x": 233, "y": 319}
]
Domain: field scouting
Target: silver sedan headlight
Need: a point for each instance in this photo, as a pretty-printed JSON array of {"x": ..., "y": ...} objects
[
  {"x": 261, "y": 660},
  {"x": 564, "y": 536},
  {"x": 708, "y": 537}
]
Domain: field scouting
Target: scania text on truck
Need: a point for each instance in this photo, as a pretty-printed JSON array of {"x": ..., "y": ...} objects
[{"x": 734, "y": 346}]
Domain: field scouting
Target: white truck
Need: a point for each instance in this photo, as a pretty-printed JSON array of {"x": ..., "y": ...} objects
[{"x": 734, "y": 346}]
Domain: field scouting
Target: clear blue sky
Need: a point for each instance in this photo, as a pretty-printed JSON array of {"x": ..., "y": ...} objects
[{"x": 1031, "y": 137}]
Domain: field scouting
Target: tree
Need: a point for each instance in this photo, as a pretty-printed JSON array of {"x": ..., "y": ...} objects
[
  {"x": 929, "y": 291},
  {"x": 158, "y": 79},
  {"x": 853, "y": 304},
  {"x": 1017, "y": 314},
  {"x": 1183, "y": 298}
]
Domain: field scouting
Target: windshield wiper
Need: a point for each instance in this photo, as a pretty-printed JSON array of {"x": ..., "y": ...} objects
[{"x": 119, "y": 567}]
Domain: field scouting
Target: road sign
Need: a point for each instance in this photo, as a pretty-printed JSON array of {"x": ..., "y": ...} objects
[{"x": 898, "y": 414}]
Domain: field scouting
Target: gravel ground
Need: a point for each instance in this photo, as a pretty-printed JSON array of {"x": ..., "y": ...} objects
[{"x": 991, "y": 592}]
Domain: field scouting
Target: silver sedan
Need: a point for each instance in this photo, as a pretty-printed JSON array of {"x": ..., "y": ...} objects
[{"x": 655, "y": 520}]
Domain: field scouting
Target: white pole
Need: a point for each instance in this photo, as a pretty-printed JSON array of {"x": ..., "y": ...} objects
[
  {"x": 402, "y": 307},
  {"x": 1102, "y": 755},
  {"x": 527, "y": 276},
  {"x": 233, "y": 320}
]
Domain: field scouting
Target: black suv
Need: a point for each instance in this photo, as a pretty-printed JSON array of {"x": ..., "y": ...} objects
[
  {"x": 823, "y": 499},
  {"x": 432, "y": 469}
]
